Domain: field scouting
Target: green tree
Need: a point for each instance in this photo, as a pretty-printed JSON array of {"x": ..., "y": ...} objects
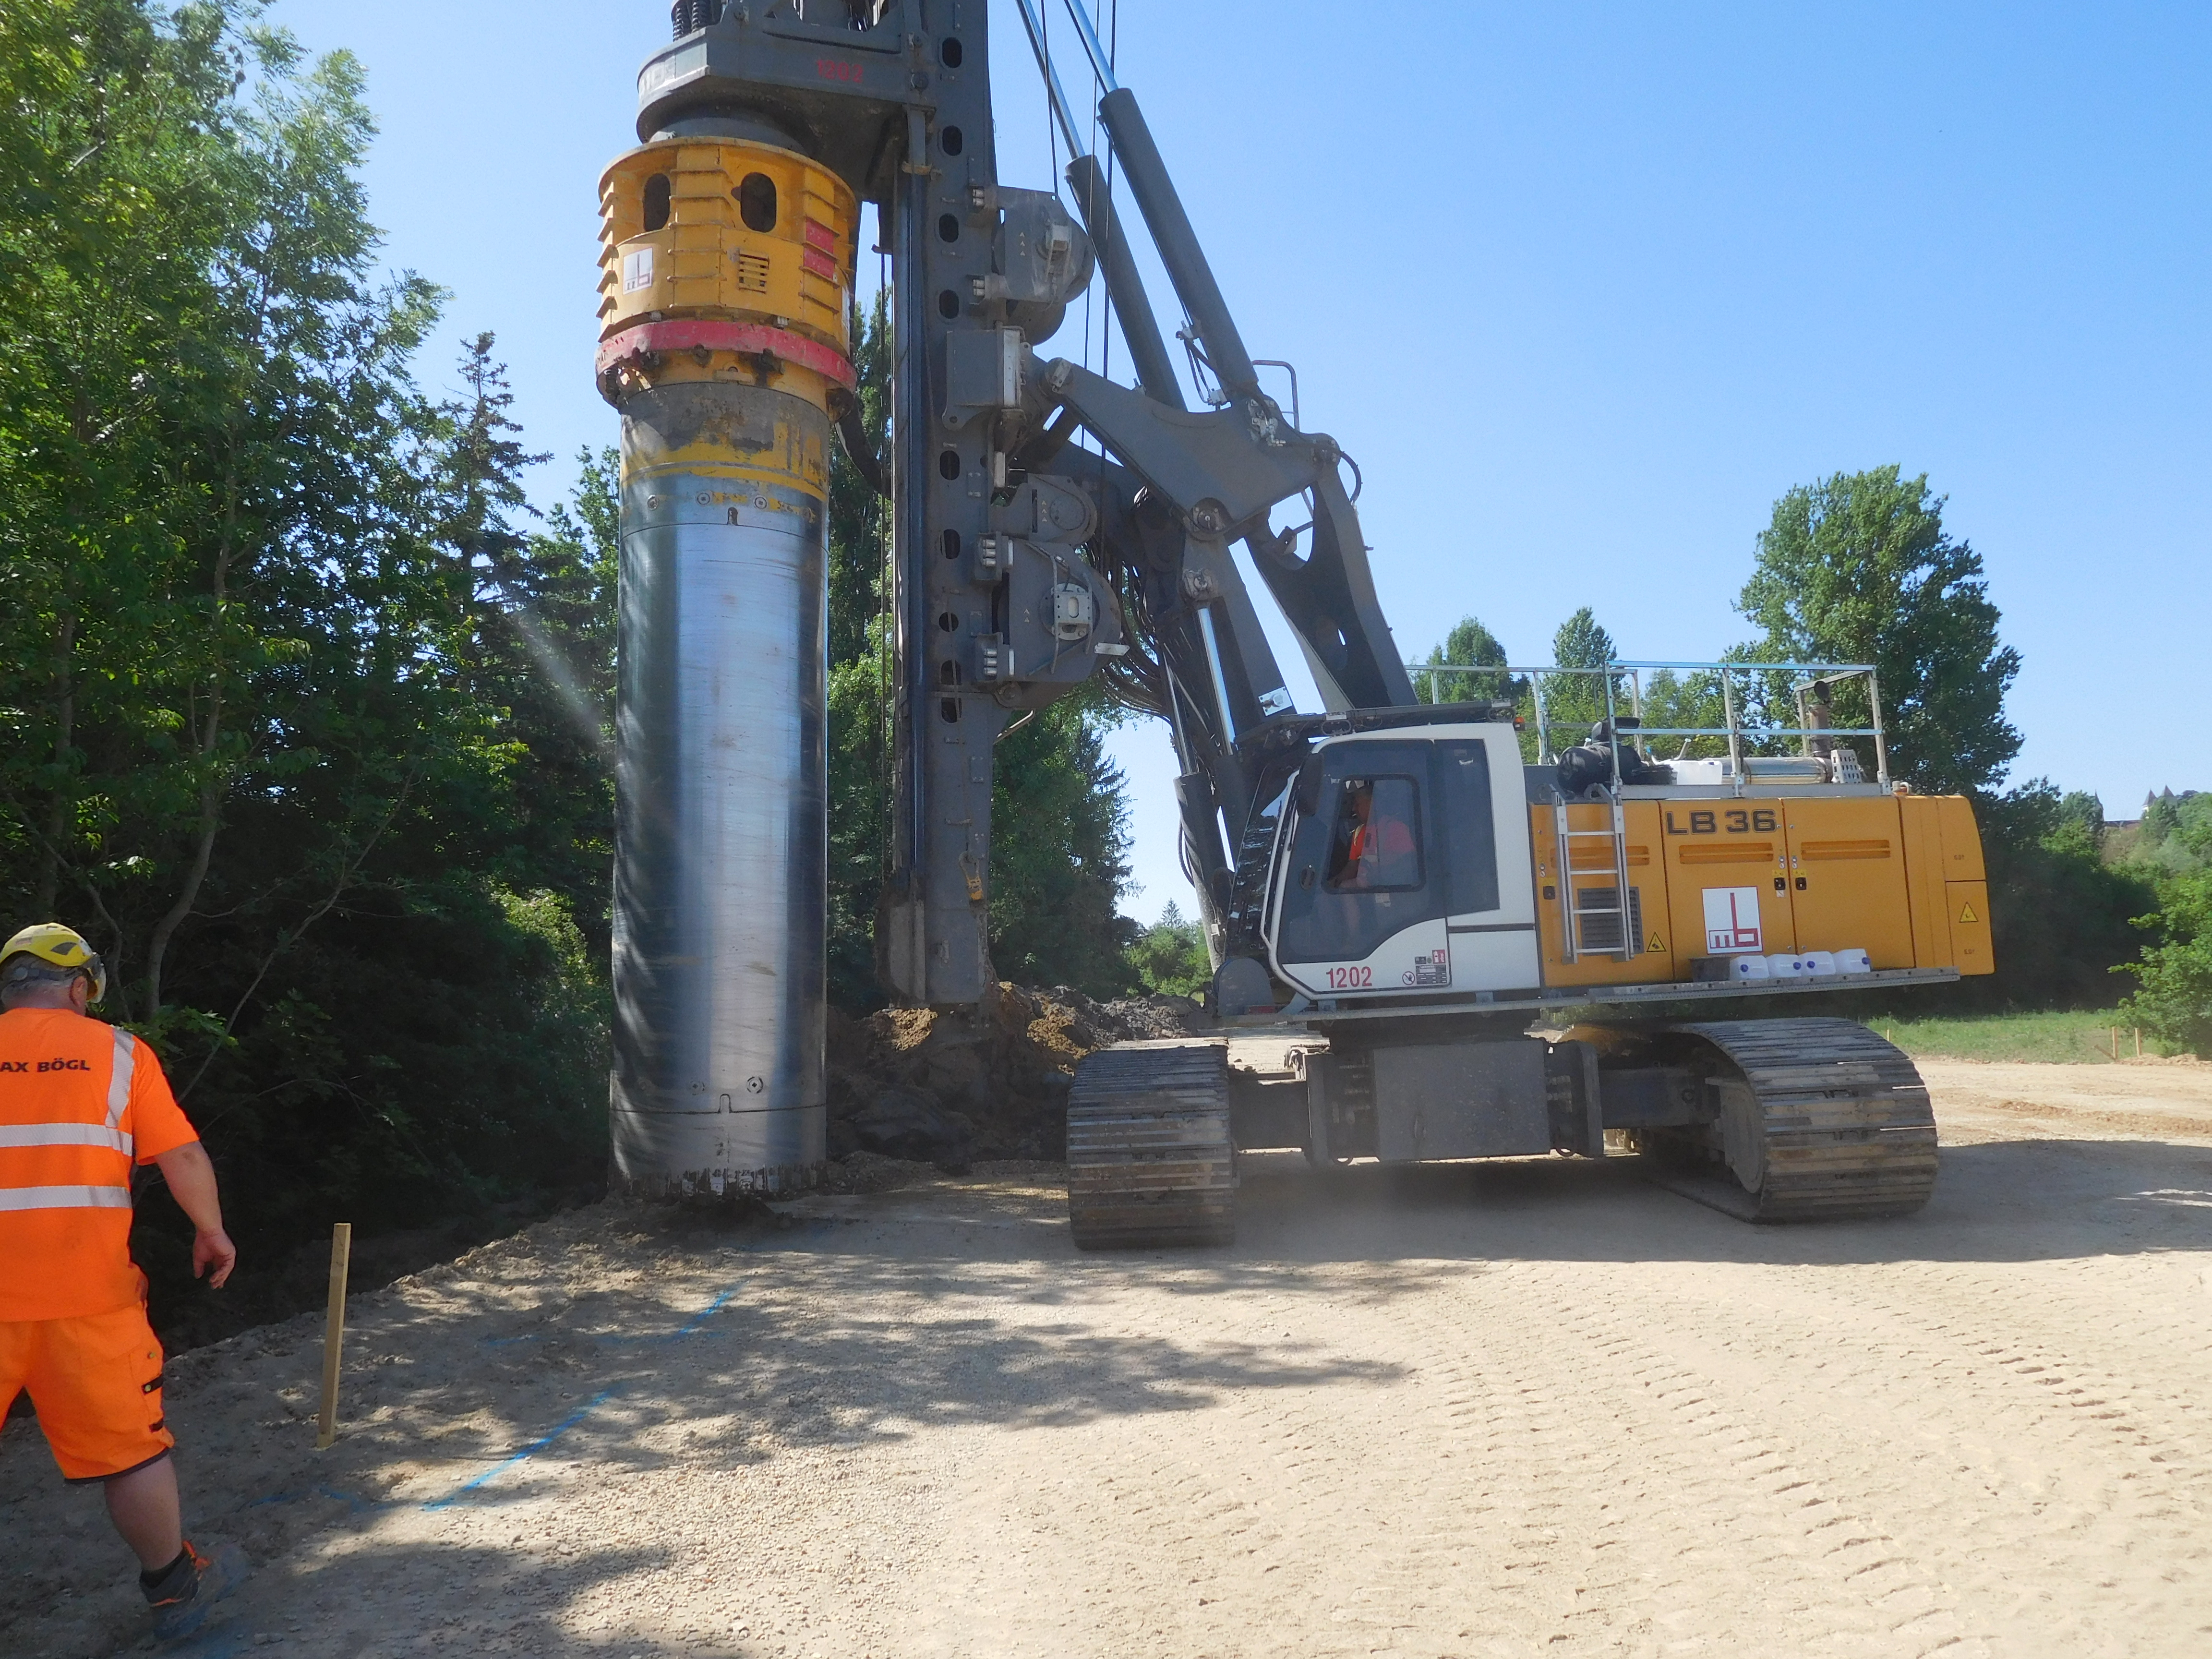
[
  {"x": 1169, "y": 958},
  {"x": 860, "y": 518},
  {"x": 2174, "y": 851},
  {"x": 1472, "y": 644},
  {"x": 2161, "y": 817},
  {"x": 2176, "y": 837},
  {"x": 194, "y": 480},
  {"x": 1685, "y": 701},
  {"x": 1060, "y": 852},
  {"x": 534, "y": 644},
  {"x": 115, "y": 148},
  {"x": 2083, "y": 811},
  {"x": 2062, "y": 917},
  {"x": 860, "y": 681},
  {"x": 859, "y": 814},
  {"x": 1575, "y": 703},
  {"x": 281, "y": 738},
  {"x": 1858, "y": 568},
  {"x": 2173, "y": 997}
]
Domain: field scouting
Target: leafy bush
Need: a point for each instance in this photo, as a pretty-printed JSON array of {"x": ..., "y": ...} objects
[
  {"x": 1169, "y": 958},
  {"x": 2175, "y": 977}
]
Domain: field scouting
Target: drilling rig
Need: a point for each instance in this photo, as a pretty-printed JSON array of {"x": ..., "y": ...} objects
[{"x": 1400, "y": 880}]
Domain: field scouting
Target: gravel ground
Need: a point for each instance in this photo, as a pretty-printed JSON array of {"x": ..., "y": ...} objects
[{"x": 1522, "y": 1407}]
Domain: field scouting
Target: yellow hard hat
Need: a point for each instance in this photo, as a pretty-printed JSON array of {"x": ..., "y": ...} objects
[{"x": 60, "y": 947}]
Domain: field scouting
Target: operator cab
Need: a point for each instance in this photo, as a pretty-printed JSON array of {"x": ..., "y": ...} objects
[{"x": 1390, "y": 847}]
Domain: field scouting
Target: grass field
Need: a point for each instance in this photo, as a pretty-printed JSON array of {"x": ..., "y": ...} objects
[{"x": 2075, "y": 1038}]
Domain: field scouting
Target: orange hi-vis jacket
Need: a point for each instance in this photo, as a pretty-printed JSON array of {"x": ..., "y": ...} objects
[{"x": 81, "y": 1104}]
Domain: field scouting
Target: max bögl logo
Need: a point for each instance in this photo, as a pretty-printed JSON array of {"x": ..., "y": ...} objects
[{"x": 1731, "y": 920}]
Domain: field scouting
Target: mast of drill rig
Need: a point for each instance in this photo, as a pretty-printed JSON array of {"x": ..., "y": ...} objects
[
  {"x": 728, "y": 241},
  {"x": 1020, "y": 567}
]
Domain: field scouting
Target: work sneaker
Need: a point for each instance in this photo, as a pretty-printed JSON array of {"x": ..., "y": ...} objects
[{"x": 182, "y": 1601}]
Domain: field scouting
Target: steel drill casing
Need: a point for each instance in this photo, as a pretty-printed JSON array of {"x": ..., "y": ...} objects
[{"x": 720, "y": 841}]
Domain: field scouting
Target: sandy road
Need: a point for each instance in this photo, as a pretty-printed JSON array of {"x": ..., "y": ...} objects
[{"x": 1534, "y": 1407}]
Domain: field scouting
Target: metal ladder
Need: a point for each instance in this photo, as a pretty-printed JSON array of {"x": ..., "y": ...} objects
[{"x": 1571, "y": 916}]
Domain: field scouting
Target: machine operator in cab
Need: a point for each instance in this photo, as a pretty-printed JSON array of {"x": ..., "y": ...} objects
[
  {"x": 1380, "y": 852},
  {"x": 82, "y": 1106}
]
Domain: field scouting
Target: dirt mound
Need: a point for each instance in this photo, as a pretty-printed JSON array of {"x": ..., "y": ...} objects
[{"x": 989, "y": 1081}]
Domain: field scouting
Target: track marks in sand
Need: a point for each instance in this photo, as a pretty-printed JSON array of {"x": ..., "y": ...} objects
[
  {"x": 1534, "y": 1479},
  {"x": 1579, "y": 1458},
  {"x": 2003, "y": 1460},
  {"x": 1705, "y": 1507}
]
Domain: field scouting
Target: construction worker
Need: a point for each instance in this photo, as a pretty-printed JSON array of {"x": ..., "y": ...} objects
[
  {"x": 79, "y": 1103},
  {"x": 1381, "y": 853}
]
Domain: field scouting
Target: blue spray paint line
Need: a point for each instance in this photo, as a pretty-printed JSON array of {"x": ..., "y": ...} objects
[
  {"x": 700, "y": 1318},
  {"x": 695, "y": 1326},
  {"x": 509, "y": 1341},
  {"x": 528, "y": 1451},
  {"x": 690, "y": 1329}
]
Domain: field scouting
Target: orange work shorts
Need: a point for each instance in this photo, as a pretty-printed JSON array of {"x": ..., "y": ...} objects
[{"x": 96, "y": 1380}]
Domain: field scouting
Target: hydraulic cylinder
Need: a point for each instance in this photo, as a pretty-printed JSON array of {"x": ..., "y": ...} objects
[{"x": 725, "y": 275}]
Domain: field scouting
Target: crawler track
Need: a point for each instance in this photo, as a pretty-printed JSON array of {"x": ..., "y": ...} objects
[
  {"x": 1820, "y": 1120},
  {"x": 1149, "y": 1157}
]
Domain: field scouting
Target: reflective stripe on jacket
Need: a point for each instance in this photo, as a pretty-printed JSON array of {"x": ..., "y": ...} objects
[
  {"x": 74, "y": 1163},
  {"x": 82, "y": 1104}
]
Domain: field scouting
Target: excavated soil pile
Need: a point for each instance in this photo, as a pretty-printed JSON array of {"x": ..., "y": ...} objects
[{"x": 986, "y": 1082}]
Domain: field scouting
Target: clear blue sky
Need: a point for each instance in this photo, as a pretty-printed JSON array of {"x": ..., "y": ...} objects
[{"x": 1582, "y": 288}]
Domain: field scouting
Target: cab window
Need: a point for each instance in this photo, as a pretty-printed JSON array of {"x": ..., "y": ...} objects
[
  {"x": 1364, "y": 864},
  {"x": 1375, "y": 843}
]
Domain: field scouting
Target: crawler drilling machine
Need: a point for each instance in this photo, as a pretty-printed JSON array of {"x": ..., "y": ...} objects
[{"x": 1401, "y": 879}]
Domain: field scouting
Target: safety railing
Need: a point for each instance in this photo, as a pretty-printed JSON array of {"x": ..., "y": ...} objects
[{"x": 1805, "y": 680}]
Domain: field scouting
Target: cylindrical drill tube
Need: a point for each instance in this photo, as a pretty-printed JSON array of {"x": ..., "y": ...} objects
[
  {"x": 721, "y": 867},
  {"x": 725, "y": 276}
]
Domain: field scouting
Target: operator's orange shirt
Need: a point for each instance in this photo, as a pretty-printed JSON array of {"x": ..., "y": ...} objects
[
  {"x": 1384, "y": 838},
  {"x": 81, "y": 1104}
]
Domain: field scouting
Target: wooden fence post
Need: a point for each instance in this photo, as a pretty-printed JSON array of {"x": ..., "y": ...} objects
[{"x": 334, "y": 1334}]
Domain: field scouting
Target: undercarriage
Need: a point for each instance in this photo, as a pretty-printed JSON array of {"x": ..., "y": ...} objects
[{"x": 1767, "y": 1120}]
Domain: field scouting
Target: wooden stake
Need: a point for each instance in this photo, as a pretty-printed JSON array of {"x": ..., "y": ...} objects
[
  {"x": 334, "y": 1334},
  {"x": 2116, "y": 1042},
  {"x": 2138, "y": 1042}
]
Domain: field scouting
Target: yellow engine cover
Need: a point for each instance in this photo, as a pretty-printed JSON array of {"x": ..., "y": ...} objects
[{"x": 1899, "y": 877}]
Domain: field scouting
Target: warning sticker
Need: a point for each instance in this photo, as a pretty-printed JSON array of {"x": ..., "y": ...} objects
[
  {"x": 1967, "y": 913},
  {"x": 637, "y": 270},
  {"x": 1731, "y": 921},
  {"x": 1430, "y": 970},
  {"x": 1654, "y": 946}
]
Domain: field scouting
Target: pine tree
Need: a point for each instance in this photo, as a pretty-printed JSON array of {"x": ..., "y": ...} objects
[{"x": 1573, "y": 703}]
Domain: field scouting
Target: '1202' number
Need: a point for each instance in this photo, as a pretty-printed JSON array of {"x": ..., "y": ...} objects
[{"x": 1351, "y": 979}]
